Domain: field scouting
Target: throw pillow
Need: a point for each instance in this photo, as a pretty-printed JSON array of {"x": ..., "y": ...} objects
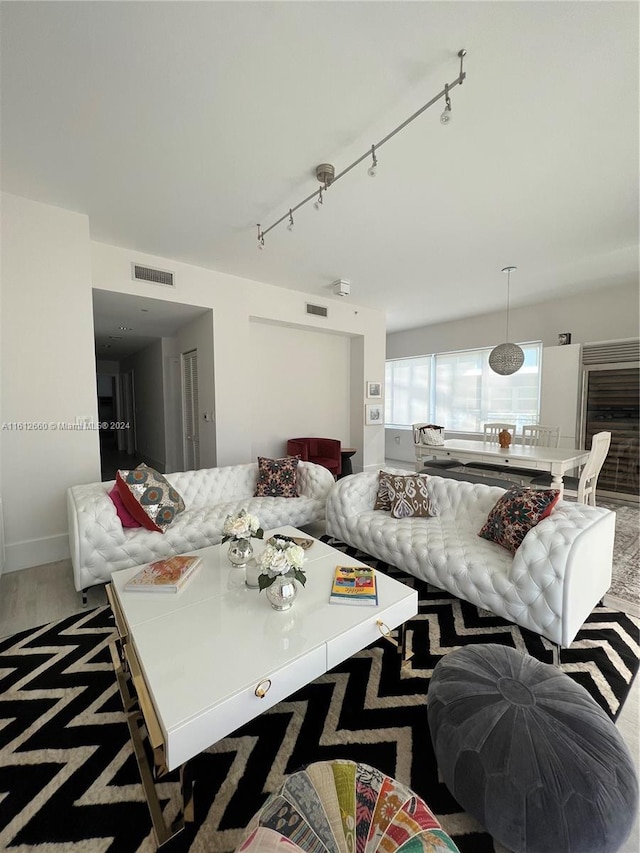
[
  {"x": 277, "y": 478},
  {"x": 516, "y": 513},
  {"x": 124, "y": 515},
  {"x": 149, "y": 497},
  {"x": 409, "y": 496},
  {"x": 382, "y": 498}
]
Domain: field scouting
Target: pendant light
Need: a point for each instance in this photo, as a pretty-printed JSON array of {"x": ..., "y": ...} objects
[{"x": 506, "y": 358}]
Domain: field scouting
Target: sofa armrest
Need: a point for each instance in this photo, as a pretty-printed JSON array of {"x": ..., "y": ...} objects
[
  {"x": 93, "y": 522},
  {"x": 314, "y": 481},
  {"x": 351, "y": 496},
  {"x": 566, "y": 564}
]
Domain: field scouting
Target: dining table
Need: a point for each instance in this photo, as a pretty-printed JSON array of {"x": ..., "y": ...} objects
[{"x": 556, "y": 460}]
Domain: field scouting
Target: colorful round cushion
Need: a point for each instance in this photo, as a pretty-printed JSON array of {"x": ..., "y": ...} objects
[{"x": 341, "y": 805}]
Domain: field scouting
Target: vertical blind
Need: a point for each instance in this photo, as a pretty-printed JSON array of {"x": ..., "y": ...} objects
[{"x": 460, "y": 391}]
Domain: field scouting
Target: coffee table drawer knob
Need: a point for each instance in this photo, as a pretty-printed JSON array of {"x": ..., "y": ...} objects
[{"x": 263, "y": 688}]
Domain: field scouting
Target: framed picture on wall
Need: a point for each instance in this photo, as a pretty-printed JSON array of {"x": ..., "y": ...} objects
[
  {"x": 373, "y": 414},
  {"x": 374, "y": 389}
]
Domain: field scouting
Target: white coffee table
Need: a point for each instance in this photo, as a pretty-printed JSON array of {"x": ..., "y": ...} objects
[{"x": 215, "y": 655}]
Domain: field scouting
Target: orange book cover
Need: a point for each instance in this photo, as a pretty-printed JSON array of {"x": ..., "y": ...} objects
[{"x": 168, "y": 575}]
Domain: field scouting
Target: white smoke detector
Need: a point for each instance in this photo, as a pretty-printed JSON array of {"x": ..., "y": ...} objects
[{"x": 341, "y": 287}]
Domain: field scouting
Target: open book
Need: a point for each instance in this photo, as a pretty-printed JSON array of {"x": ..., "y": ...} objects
[
  {"x": 168, "y": 575},
  {"x": 354, "y": 585}
]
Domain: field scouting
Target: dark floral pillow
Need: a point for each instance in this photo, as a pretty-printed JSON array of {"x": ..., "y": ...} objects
[
  {"x": 149, "y": 497},
  {"x": 516, "y": 513},
  {"x": 277, "y": 478}
]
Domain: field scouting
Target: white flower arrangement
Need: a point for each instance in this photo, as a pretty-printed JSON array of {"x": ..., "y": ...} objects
[
  {"x": 242, "y": 525},
  {"x": 281, "y": 557}
]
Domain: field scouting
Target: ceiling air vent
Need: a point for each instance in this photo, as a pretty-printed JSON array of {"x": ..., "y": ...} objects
[
  {"x": 140, "y": 273},
  {"x": 318, "y": 310}
]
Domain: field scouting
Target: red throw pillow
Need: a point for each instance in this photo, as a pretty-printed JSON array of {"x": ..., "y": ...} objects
[
  {"x": 123, "y": 513},
  {"x": 515, "y": 513},
  {"x": 149, "y": 497}
]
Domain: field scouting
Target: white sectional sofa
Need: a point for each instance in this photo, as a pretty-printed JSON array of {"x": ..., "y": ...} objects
[
  {"x": 556, "y": 577},
  {"x": 100, "y": 545}
]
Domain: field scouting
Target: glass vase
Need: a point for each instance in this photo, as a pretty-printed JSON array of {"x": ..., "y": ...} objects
[
  {"x": 282, "y": 592},
  {"x": 240, "y": 552}
]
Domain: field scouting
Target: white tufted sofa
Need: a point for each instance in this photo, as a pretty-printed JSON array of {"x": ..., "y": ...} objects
[
  {"x": 100, "y": 545},
  {"x": 551, "y": 584}
]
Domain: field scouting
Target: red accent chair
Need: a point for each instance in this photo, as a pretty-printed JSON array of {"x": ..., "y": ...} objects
[{"x": 322, "y": 451}]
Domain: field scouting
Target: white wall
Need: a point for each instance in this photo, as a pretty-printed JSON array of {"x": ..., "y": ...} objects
[
  {"x": 301, "y": 386},
  {"x": 48, "y": 375},
  {"x": 48, "y": 370},
  {"x": 148, "y": 391},
  {"x": 236, "y": 304},
  {"x": 608, "y": 314}
]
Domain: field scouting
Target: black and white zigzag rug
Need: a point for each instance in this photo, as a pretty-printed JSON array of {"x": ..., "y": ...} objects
[{"x": 69, "y": 781}]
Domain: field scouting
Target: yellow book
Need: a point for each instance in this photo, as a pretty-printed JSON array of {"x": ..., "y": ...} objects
[{"x": 354, "y": 585}]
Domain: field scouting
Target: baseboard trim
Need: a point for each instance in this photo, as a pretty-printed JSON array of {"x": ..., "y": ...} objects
[{"x": 36, "y": 552}]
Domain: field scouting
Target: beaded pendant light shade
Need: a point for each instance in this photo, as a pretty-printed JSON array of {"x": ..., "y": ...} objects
[{"x": 506, "y": 358}]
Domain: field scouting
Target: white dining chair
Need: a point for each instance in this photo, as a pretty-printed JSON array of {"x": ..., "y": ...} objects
[
  {"x": 584, "y": 486},
  {"x": 537, "y": 435},
  {"x": 492, "y": 431}
]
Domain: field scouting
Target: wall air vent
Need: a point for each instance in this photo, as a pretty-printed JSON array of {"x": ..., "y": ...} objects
[
  {"x": 609, "y": 352},
  {"x": 318, "y": 310},
  {"x": 140, "y": 273}
]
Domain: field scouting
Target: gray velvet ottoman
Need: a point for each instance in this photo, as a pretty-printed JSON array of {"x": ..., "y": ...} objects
[{"x": 528, "y": 753}]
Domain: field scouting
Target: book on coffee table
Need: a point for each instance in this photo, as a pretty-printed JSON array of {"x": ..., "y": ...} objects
[
  {"x": 168, "y": 575},
  {"x": 354, "y": 585}
]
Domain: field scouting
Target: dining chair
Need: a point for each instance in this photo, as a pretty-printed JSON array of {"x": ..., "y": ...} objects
[
  {"x": 583, "y": 487},
  {"x": 537, "y": 435},
  {"x": 492, "y": 431}
]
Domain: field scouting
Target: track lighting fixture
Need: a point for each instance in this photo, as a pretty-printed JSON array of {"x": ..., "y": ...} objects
[
  {"x": 325, "y": 172},
  {"x": 372, "y": 171},
  {"x": 445, "y": 118}
]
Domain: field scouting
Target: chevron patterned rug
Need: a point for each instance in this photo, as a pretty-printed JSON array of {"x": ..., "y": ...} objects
[{"x": 69, "y": 781}]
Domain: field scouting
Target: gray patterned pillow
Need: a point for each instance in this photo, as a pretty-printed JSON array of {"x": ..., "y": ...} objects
[{"x": 409, "y": 496}]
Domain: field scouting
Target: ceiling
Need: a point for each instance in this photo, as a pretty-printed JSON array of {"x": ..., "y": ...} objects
[
  {"x": 177, "y": 126},
  {"x": 124, "y": 324}
]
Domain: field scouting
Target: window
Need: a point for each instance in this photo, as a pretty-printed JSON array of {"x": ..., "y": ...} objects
[{"x": 460, "y": 391}]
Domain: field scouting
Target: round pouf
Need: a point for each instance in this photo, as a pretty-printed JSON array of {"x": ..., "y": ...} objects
[
  {"x": 341, "y": 805},
  {"x": 528, "y": 753}
]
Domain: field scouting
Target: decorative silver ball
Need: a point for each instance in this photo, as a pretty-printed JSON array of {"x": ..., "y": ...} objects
[{"x": 506, "y": 359}]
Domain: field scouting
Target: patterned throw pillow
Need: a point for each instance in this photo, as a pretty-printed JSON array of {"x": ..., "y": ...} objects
[
  {"x": 382, "y": 498},
  {"x": 516, "y": 513},
  {"x": 149, "y": 497},
  {"x": 409, "y": 496},
  {"x": 277, "y": 478}
]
